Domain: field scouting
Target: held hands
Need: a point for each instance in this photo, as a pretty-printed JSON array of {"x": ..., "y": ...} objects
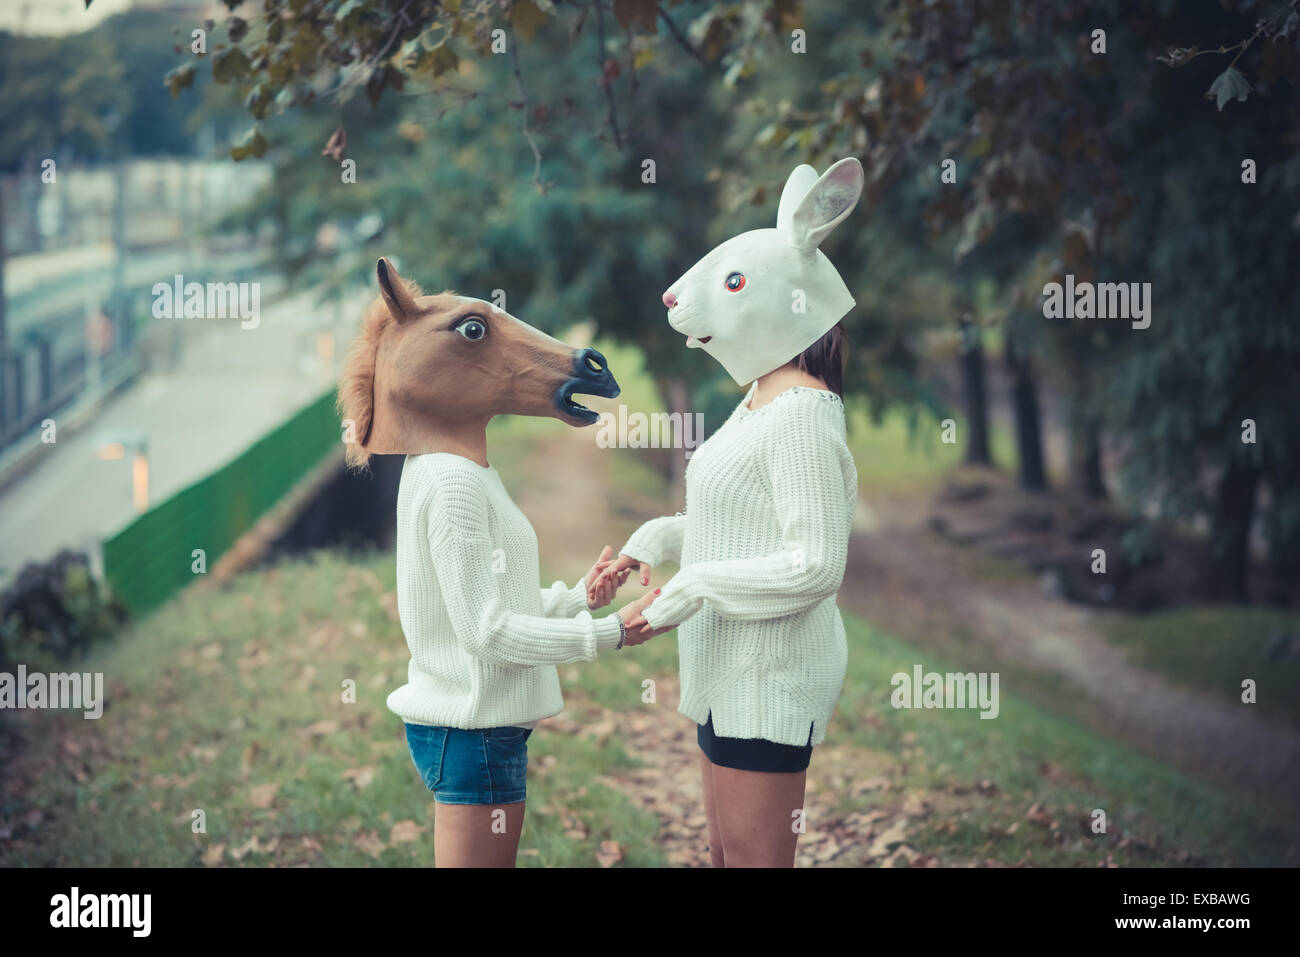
[
  {"x": 622, "y": 567},
  {"x": 638, "y": 630},
  {"x": 601, "y": 583},
  {"x": 604, "y": 580}
]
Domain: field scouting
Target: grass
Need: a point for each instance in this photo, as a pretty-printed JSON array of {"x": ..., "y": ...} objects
[
  {"x": 1216, "y": 648},
  {"x": 989, "y": 774},
  {"x": 901, "y": 455},
  {"x": 249, "y": 724}
]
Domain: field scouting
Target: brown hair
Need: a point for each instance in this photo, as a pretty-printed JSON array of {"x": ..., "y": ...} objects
[{"x": 825, "y": 359}]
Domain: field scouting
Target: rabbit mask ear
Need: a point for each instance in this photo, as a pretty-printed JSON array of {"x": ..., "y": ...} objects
[
  {"x": 824, "y": 205},
  {"x": 796, "y": 188}
]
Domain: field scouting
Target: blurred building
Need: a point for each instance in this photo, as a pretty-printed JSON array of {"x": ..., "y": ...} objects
[{"x": 57, "y": 17}]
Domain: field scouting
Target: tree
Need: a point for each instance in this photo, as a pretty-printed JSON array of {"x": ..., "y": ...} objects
[{"x": 1080, "y": 141}]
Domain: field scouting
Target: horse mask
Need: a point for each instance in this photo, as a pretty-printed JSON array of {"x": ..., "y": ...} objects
[
  {"x": 424, "y": 367},
  {"x": 763, "y": 297}
]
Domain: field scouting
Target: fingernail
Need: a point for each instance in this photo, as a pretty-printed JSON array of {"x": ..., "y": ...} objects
[{"x": 656, "y": 591}]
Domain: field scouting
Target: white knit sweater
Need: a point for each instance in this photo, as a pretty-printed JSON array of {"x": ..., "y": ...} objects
[
  {"x": 484, "y": 637},
  {"x": 762, "y": 544}
]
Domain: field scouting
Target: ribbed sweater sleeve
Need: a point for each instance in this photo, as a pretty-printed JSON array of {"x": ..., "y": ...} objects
[
  {"x": 806, "y": 464},
  {"x": 462, "y": 558},
  {"x": 658, "y": 540},
  {"x": 561, "y": 601}
]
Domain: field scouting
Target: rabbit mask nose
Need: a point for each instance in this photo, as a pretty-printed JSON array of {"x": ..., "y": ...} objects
[{"x": 670, "y": 300}]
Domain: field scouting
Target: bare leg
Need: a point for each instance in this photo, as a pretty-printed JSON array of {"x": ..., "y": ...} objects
[
  {"x": 756, "y": 815},
  {"x": 711, "y": 812},
  {"x": 477, "y": 835}
]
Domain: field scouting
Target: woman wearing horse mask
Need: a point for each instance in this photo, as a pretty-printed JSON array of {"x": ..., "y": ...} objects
[
  {"x": 769, "y": 505},
  {"x": 423, "y": 379}
]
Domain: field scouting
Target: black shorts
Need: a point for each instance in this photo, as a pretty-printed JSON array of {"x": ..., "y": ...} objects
[{"x": 753, "y": 754}]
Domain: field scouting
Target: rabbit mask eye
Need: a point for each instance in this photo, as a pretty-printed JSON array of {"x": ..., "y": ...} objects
[{"x": 735, "y": 282}]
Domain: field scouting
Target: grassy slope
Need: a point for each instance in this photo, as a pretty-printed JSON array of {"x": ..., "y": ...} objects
[
  {"x": 1215, "y": 648},
  {"x": 247, "y": 723}
]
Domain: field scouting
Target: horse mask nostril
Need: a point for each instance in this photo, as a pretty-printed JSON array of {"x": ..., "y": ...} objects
[{"x": 591, "y": 362}]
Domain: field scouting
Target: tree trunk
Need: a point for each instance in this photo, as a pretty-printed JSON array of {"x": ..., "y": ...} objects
[
  {"x": 1234, "y": 511},
  {"x": 1085, "y": 432},
  {"x": 1088, "y": 471},
  {"x": 975, "y": 394},
  {"x": 1024, "y": 404}
]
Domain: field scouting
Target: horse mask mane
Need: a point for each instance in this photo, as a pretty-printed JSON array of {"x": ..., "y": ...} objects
[
  {"x": 763, "y": 297},
  {"x": 427, "y": 368}
]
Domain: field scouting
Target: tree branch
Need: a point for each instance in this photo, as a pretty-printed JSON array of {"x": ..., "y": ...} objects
[
  {"x": 604, "y": 79},
  {"x": 681, "y": 37},
  {"x": 541, "y": 185}
]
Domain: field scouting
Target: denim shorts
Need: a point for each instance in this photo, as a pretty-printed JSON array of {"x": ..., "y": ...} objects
[{"x": 481, "y": 766}]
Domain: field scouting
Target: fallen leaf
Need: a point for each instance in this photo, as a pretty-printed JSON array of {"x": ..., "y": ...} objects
[
  {"x": 404, "y": 832},
  {"x": 248, "y": 847},
  {"x": 887, "y": 841},
  {"x": 609, "y": 854},
  {"x": 263, "y": 795},
  {"x": 368, "y": 842},
  {"x": 361, "y": 777}
]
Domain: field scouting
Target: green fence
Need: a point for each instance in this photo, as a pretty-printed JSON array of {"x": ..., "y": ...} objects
[{"x": 152, "y": 558}]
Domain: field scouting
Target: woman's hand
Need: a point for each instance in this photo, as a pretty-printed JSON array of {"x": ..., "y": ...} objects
[
  {"x": 638, "y": 629},
  {"x": 619, "y": 569},
  {"x": 602, "y": 587}
]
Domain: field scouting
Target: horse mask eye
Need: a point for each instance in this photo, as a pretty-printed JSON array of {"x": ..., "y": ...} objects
[
  {"x": 736, "y": 282},
  {"x": 472, "y": 329}
]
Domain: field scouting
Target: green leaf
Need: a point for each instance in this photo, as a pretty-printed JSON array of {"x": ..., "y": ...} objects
[
  {"x": 444, "y": 60},
  {"x": 252, "y": 143},
  {"x": 181, "y": 78},
  {"x": 230, "y": 64},
  {"x": 258, "y": 101},
  {"x": 1228, "y": 84}
]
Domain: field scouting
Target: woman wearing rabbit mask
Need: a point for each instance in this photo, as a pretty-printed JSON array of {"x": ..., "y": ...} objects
[{"x": 769, "y": 506}]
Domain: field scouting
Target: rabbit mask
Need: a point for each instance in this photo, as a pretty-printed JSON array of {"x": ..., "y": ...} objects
[{"x": 763, "y": 297}]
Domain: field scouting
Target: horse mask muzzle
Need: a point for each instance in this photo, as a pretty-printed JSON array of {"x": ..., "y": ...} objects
[{"x": 591, "y": 376}]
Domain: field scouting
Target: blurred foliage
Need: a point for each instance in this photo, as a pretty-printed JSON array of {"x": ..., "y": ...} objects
[
  {"x": 499, "y": 144},
  {"x": 98, "y": 94},
  {"x": 1086, "y": 154},
  {"x": 54, "y": 611}
]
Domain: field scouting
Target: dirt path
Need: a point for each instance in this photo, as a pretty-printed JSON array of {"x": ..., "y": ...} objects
[
  {"x": 911, "y": 582},
  {"x": 915, "y": 585}
]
